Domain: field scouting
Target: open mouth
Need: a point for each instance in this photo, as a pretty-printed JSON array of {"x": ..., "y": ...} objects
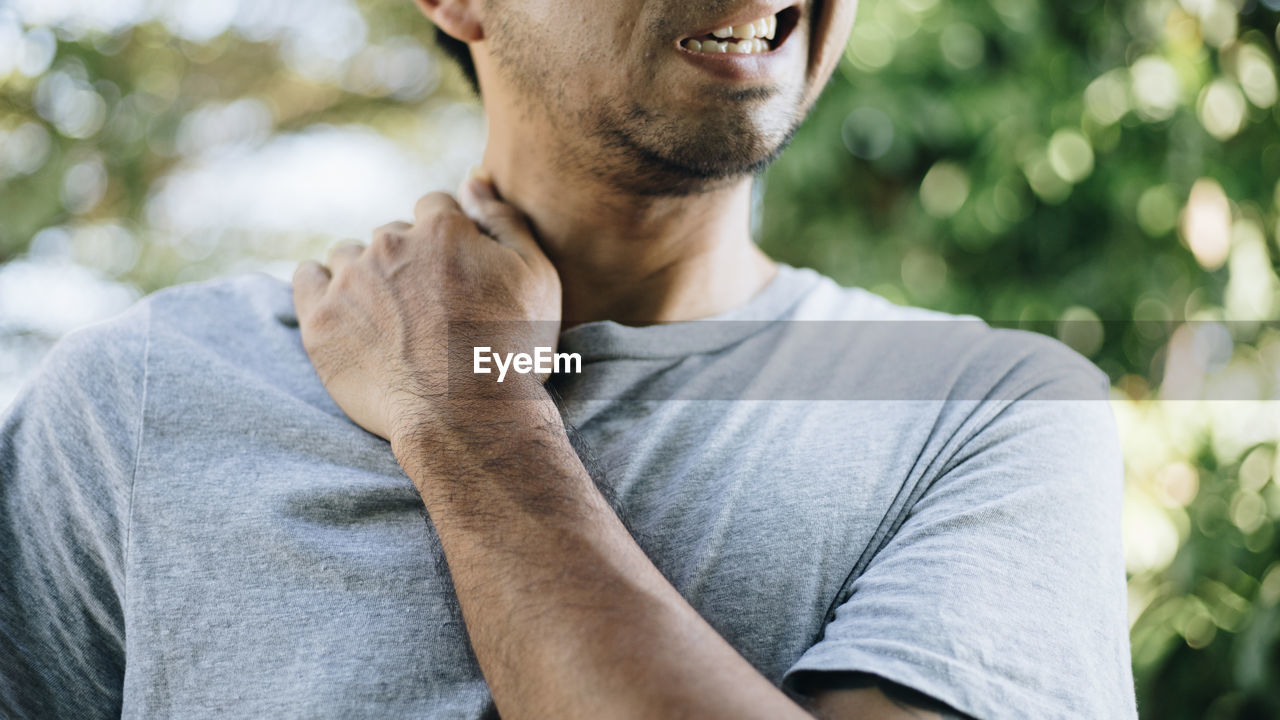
[{"x": 759, "y": 36}]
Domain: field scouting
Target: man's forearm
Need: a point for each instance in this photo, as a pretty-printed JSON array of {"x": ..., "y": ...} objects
[{"x": 567, "y": 616}]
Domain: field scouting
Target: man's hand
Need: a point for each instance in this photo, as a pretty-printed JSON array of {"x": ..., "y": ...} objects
[
  {"x": 375, "y": 322},
  {"x": 566, "y": 615}
]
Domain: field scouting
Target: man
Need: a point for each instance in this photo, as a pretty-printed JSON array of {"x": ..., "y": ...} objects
[{"x": 213, "y": 503}]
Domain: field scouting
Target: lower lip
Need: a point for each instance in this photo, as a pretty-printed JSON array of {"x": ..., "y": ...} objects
[{"x": 741, "y": 67}]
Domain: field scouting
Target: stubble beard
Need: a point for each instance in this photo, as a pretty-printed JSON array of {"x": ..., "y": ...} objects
[
  {"x": 640, "y": 150},
  {"x": 655, "y": 155}
]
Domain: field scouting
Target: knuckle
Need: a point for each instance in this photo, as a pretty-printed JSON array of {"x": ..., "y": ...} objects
[
  {"x": 446, "y": 225},
  {"x": 308, "y": 271},
  {"x": 324, "y": 316},
  {"x": 436, "y": 197},
  {"x": 343, "y": 280},
  {"x": 431, "y": 202},
  {"x": 387, "y": 240},
  {"x": 345, "y": 249}
]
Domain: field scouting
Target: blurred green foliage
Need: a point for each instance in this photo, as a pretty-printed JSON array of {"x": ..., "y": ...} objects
[
  {"x": 1105, "y": 171},
  {"x": 1088, "y": 162}
]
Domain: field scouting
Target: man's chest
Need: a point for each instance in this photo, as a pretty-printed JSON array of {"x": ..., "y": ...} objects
[{"x": 287, "y": 559}]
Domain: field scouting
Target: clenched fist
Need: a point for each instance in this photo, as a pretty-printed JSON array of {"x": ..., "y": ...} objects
[{"x": 376, "y": 321}]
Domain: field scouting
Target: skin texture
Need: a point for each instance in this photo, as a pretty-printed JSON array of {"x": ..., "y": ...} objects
[
  {"x": 621, "y": 195},
  {"x": 645, "y": 140},
  {"x": 586, "y": 159}
]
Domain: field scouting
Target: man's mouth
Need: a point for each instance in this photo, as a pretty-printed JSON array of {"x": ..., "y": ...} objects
[{"x": 757, "y": 36}]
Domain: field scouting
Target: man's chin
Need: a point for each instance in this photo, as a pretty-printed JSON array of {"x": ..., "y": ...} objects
[
  {"x": 700, "y": 169},
  {"x": 656, "y": 175},
  {"x": 687, "y": 166}
]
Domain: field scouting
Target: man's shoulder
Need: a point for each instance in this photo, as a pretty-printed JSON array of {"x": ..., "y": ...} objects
[
  {"x": 224, "y": 303},
  {"x": 216, "y": 315},
  {"x": 234, "y": 336},
  {"x": 237, "y": 303},
  {"x": 920, "y": 350},
  {"x": 828, "y": 300}
]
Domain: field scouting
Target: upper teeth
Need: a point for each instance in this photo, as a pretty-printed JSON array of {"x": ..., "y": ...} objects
[
  {"x": 762, "y": 28},
  {"x": 751, "y": 37}
]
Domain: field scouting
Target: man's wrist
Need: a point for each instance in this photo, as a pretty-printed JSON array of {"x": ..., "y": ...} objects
[{"x": 474, "y": 427}]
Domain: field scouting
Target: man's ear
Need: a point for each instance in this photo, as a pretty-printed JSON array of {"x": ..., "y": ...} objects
[{"x": 457, "y": 18}]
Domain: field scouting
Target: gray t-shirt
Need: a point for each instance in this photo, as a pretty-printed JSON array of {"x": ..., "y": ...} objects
[{"x": 190, "y": 527}]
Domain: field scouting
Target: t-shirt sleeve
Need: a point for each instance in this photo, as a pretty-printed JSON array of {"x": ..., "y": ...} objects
[
  {"x": 1002, "y": 592},
  {"x": 67, "y": 450}
]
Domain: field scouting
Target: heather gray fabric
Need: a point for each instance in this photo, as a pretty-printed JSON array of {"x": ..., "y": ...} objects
[{"x": 190, "y": 527}]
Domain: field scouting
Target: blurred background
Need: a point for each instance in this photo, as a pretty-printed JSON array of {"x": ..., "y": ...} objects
[{"x": 1104, "y": 171}]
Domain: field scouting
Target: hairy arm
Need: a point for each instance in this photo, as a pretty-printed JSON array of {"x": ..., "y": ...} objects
[{"x": 567, "y": 616}]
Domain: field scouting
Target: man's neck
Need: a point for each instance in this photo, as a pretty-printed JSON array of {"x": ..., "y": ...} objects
[{"x": 632, "y": 259}]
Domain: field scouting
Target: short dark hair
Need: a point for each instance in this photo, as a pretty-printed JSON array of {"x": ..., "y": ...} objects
[{"x": 461, "y": 54}]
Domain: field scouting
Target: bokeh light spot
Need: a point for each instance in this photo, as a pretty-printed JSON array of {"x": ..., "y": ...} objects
[
  {"x": 1206, "y": 223},
  {"x": 84, "y": 185},
  {"x": 1156, "y": 88},
  {"x": 962, "y": 45},
  {"x": 924, "y": 274},
  {"x": 1251, "y": 288},
  {"x": 871, "y": 46},
  {"x": 1176, "y": 484},
  {"x": 1221, "y": 108},
  {"x": 1257, "y": 76},
  {"x": 1107, "y": 98},
  {"x": 1081, "y": 330},
  {"x": 1070, "y": 155},
  {"x": 1157, "y": 210},
  {"x": 944, "y": 189},
  {"x": 867, "y": 133}
]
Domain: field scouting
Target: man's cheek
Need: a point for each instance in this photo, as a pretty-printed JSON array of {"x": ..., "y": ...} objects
[{"x": 833, "y": 22}]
